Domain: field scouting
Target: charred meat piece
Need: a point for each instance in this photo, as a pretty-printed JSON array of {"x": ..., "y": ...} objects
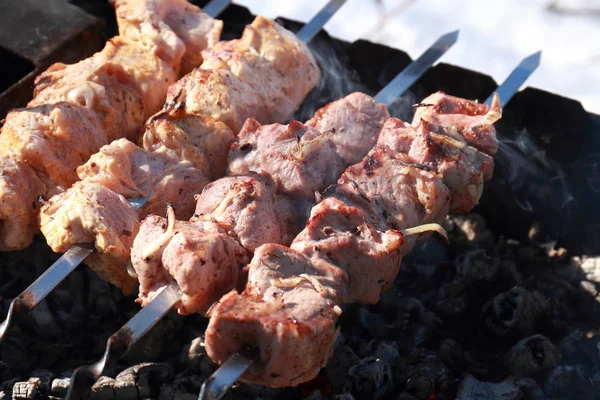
[
  {"x": 134, "y": 172},
  {"x": 463, "y": 168},
  {"x": 91, "y": 213},
  {"x": 249, "y": 207},
  {"x": 463, "y": 120},
  {"x": 285, "y": 318},
  {"x": 201, "y": 257}
]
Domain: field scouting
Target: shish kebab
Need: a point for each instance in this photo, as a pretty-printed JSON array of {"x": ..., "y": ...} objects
[
  {"x": 179, "y": 133},
  {"x": 284, "y": 319},
  {"x": 78, "y": 108},
  {"x": 305, "y": 142}
]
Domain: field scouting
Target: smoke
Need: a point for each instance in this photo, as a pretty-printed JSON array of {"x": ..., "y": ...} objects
[
  {"x": 533, "y": 180},
  {"x": 337, "y": 79}
]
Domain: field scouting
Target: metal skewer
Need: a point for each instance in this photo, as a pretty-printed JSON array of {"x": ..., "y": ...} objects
[
  {"x": 23, "y": 304},
  {"x": 231, "y": 370},
  {"x": 516, "y": 78}
]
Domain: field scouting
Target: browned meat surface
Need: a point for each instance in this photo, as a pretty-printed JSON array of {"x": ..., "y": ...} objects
[
  {"x": 250, "y": 209},
  {"x": 20, "y": 187},
  {"x": 299, "y": 159},
  {"x": 134, "y": 172},
  {"x": 54, "y": 139},
  {"x": 462, "y": 167},
  {"x": 201, "y": 140},
  {"x": 90, "y": 213},
  {"x": 100, "y": 85},
  {"x": 286, "y": 315},
  {"x": 216, "y": 93},
  {"x": 279, "y": 68},
  {"x": 177, "y": 30},
  {"x": 201, "y": 257},
  {"x": 464, "y": 120},
  {"x": 410, "y": 194},
  {"x": 357, "y": 120},
  {"x": 350, "y": 232}
]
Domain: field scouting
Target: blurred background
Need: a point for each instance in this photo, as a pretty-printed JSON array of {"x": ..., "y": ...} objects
[{"x": 494, "y": 35}]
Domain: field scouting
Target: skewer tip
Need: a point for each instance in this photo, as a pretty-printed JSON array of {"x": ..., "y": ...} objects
[
  {"x": 449, "y": 38},
  {"x": 532, "y": 61}
]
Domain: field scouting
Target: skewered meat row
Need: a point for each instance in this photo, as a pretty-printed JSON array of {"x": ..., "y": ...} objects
[
  {"x": 80, "y": 107},
  {"x": 283, "y": 166},
  {"x": 185, "y": 145},
  {"x": 351, "y": 247}
]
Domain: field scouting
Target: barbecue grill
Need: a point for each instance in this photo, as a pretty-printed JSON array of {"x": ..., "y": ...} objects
[{"x": 411, "y": 345}]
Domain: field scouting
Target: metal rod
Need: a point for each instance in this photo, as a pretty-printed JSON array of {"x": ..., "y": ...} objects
[
  {"x": 410, "y": 74},
  {"x": 216, "y": 7},
  {"x": 517, "y": 77},
  {"x": 221, "y": 380},
  {"x": 29, "y": 299},
  {"x": 314, "y": 26},
  {"x": 119, "y": 343}
]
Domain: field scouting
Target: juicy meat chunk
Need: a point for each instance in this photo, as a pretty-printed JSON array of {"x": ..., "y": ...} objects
[
  {"x": 175, "y": 29},
  {"x": 20, "y": 187},
  {"x": 410, "y": 194},
  {"x": 286, "y": 315},
  {"x": 271, "y": 59},
  {"x": 357, "y": 120},
  {"x": 464, "y": 120},
  {"x": 350, "y": 232},
  {"x": 99, "y": 85},
  {"x": 90, "y": 213},
  {"x": 216, "y": 93},
  {"x": 462, "y": 167},
  {"x": 299, "y": 159},
  {"x": 134, "y": 172},
  {"x": 200, "y": 257},
  {"x": 250, "y": 208},
  {"x": 55, "y": 139},
  {"x": 202, "y": 140}
]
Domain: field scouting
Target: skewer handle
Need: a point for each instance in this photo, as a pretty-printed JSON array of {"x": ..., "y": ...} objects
[
  {"x": 314, "y": 26},
  {"x": 222, "y": 379}
]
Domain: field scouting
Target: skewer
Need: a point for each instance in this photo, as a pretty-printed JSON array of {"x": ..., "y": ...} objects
[
  {"x": 23, "y": 304},
  {"x": 218, "y": 385},
  {"x": 230, "y": 371},
  {"x": 516, "y": 78}
]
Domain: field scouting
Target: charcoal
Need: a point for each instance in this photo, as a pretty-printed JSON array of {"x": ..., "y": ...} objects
[
  {"x": 531, "y": 356},
  {"x": 471, "y": 389},
  {"x": 5, "y": 394},
  {"x": 567, "y": 381},
  {"x": 423, "y": 374},
  {"x": 371, "y": 378},
  {"x": 194, "y": 357},
  {"x": 337, "y": 370},
  {"x": 29, "y": 390},
  {"x": 103, "y": 389},
  {"x": 142, "y": 380},
  {"x": 60, "y": 386}
]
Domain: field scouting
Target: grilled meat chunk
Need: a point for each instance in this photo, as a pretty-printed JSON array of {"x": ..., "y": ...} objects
[
  {"x": 286, "y": 315},
  {"x": 20, "y": 187},
  {"x": 349, "y": 231},
  {"x": 90, "y": 213},
  {"x": 462, "y": 167},
  {"x": 176, "y": 30},
  {"x": 299, "y": 159},
  {"x": 200, "y": 257},
  {"x": 250, "y": 209},
  {"x": 201, "y": 140},
  {"x": 54, "y": 139},
  {"x": 357, "y": 120},
  {"x": 134, "y": 172},
  {"x": 463, "y": 120}
]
